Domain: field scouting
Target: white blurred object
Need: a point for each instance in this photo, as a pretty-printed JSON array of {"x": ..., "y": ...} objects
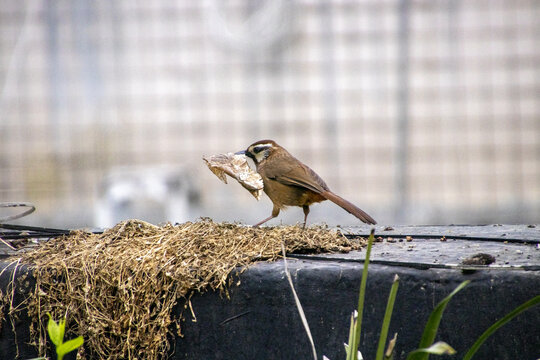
[
  {"x": 152, "y": 194},
  {"x": 264, "y": 25}
]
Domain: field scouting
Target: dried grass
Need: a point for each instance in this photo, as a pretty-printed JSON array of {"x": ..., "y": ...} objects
[{"x": 119, "y": 288}]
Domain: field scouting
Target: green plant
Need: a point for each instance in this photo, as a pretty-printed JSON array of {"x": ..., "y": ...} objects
[
  {"x": 56, "y": 333},
  {"x": 427, "y": 346},
  {"x": 512, "y": 314},
  {"x": 357, "y": 325},
  {"x": 386, "y": 320}
]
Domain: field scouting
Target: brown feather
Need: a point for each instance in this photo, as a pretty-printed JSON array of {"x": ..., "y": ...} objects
[
  {"x": 351, "y": 208},
  {"x": 292, "y": 172}
]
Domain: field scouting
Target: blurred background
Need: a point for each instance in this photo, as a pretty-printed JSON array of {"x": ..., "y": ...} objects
[{"x": 418, "y": 111}]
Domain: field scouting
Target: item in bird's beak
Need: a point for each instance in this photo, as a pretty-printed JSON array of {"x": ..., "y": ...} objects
[{"x": 237, "y": 167}]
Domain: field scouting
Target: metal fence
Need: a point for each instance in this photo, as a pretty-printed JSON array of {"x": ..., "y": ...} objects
[{"x": 418, "y": 111}]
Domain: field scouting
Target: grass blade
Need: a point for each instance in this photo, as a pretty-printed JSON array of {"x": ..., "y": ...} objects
[
  {"x": 387, "y": 318},
  {"x": 298, "y": 304},
  {"x": 361, "y": 297},
  {"x": 430, "y": 331},
  {"x": 528, "y": 304},
  {"x": 352, "y": 328}
]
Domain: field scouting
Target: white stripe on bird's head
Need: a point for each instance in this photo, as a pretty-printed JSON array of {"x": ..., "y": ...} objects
[{"x": 259, "y": 152}]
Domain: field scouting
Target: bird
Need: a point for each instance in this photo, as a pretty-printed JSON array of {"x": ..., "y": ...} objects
[{"x": 289, "y": 182}]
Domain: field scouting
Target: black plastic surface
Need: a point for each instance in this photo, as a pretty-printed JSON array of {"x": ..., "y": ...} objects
[
  {"x": 269, "y": 327},
  {"x": 260, "y": 320}
]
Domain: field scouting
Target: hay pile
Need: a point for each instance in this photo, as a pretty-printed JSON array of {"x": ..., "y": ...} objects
[{"x": 119, "y": 288}]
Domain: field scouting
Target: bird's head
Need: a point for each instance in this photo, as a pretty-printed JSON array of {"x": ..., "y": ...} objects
[{"x": 260, "y": 150}]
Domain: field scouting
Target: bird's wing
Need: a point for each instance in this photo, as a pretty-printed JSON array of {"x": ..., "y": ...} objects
[{"x": 296, "y": 175}]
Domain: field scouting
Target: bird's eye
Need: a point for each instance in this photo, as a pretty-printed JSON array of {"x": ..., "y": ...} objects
[{"x": 258, "y": 149}]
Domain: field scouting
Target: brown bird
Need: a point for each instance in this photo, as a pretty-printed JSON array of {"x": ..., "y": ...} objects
[{"x": 288, "y": 182}]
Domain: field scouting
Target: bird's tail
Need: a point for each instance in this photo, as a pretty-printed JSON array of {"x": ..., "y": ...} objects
[{"x": 351, "y": 208}]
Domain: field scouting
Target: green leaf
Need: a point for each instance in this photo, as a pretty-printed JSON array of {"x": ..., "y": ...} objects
[
  {"x": 361, "y": 296},
  {"x": 432, "y": 325},
  {"x": 69, "y": 346},
  {"x": 439, "y": 348},
  {"x": 56, "y": 330},
  {"x": 526, "y": 305},
  {"x": 387, "y": 318}
]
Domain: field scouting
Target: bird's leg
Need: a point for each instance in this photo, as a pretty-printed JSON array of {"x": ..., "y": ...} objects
[
  {"x": 306, "y": 212},
  {"x": 275, "y": 212},
  {"x": 265, "y": 220}
]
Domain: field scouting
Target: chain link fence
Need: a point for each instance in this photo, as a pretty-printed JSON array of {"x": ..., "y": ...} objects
[{"x": 420, "y": 112}]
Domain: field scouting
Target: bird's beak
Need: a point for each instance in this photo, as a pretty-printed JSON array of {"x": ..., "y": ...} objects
[{"x": 243, "y": 152}]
